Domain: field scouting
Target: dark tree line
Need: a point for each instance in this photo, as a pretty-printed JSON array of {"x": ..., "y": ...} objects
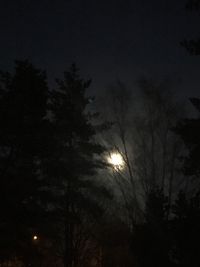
[
  {"x": 55, "y": 211},
  {"x": 160, "y": 194},
  {"x": 48, "y": 156}
]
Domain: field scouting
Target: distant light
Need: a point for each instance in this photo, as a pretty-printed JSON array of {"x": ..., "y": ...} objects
[
  {"x": 116, "y": 160},
  {"x": 35, "y": 237}
]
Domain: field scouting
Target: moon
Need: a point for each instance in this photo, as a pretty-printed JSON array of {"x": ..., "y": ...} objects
[
  {"x": 116, "y": 160},
  {"x": 35, "y": 237}
]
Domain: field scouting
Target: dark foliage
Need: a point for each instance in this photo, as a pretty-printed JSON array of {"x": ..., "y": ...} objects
[
  {"x": 185, "y": 229},
  {"x": 192, "y": 46},
  {"x": 193, "y": 4},
  {"x": 23, "y": 99},
  {"x": 48, "y": 153},
  {"x": 152, "y": 238},
  {"x": 189, "y": 130}
]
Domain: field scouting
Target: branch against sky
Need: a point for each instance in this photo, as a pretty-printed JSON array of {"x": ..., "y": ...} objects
[{"x": 142, "y": 134}]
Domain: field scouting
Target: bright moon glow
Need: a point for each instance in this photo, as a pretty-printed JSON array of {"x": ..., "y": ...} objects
[
  {"x": 116, "y": 160},
  {"x": 35, "y": 237}
]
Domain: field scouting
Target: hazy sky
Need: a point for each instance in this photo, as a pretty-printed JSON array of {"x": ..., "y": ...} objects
[{"x": 108, "y": 40}]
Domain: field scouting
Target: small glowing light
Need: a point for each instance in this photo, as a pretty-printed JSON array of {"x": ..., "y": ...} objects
[
  {"x": 35, "y": 237},
  {"x": 116, "y": 160}
]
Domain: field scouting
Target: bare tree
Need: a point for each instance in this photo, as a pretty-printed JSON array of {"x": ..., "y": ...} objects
[
  {"x": 142, "y": 134},
  {"x": 159, "y": 148}
]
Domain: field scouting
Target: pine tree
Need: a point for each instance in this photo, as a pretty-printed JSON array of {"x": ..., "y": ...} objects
[
  {"x": 23, "y": 99},
  {"x": 74, "y": 160}
]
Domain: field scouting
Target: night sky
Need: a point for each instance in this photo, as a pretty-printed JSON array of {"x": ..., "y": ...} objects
[{"x": 108, "y": 40}]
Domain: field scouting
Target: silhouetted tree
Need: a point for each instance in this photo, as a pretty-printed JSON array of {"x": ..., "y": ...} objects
[
  {"x": 152, "y": 237},
  {"x": 77, "y": 199},
  {"x": 185, "y": 229},
  {"x": 23, "y": 100},
  {"x": 142, "y": 134},
  {"x": 189, "y": 130},
  {"x": 193, "y": 45}
]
